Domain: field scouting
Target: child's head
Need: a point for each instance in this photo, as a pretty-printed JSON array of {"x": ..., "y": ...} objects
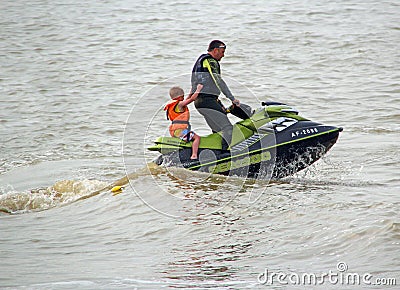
[{"x": 176, "y": 92}]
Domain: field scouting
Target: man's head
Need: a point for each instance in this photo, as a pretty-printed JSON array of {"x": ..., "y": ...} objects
[
  {"x": 176, "y": 93},
  {"x": 216, "y": 49}
]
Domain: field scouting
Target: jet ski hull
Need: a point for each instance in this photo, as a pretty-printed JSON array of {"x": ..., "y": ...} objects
[{"x": 280, "y": 146}]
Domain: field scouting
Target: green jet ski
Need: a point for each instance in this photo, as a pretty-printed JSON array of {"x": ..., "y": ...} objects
[{"x": 272, "y": 141}]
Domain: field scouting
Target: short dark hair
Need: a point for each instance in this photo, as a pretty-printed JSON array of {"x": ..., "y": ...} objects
[{"x": 215, "y": 44}]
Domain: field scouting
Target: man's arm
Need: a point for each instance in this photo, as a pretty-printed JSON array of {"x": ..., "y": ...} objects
[
  {"x": 213, "y": 67},
  {"x": 191, "y": 98}
]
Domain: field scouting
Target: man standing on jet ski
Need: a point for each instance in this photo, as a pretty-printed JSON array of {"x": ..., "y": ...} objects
[{"x": 207, "y": 71}]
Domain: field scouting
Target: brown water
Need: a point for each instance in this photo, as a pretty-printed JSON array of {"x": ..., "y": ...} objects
[{"x": 81, "y": 88}]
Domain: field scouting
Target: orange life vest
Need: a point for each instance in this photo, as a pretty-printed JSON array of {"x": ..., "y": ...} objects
[{"x": 180, "y": 120}]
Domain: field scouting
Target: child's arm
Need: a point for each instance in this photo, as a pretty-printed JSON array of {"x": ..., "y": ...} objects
[{"x": 191, "y": 98}]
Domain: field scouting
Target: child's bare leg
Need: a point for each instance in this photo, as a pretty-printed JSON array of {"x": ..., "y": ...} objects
[{"x": 195, "y": 146}]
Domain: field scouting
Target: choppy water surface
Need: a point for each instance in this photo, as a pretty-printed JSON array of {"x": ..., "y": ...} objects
[{"x": 74, "y": 76}]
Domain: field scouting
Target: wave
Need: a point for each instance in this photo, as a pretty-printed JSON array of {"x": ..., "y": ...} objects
[
  {"x": 64, "y": 192},
  {"x": 61, "y": 193}
]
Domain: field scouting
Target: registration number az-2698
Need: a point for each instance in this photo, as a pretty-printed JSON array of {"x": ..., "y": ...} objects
[{"x": 304, "y": 132}]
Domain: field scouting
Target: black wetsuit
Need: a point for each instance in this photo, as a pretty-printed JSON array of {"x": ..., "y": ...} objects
[{"x": 206, "y": 71}]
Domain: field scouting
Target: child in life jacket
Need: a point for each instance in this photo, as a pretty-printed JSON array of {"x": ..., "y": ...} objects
[{"x": 178, "y": 113}]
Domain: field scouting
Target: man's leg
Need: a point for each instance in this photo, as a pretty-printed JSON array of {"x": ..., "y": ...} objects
[{"x": 218, "y": 122}]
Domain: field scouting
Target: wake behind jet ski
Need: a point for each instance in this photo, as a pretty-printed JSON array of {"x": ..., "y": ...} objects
[{"x": 275, "y": 141}]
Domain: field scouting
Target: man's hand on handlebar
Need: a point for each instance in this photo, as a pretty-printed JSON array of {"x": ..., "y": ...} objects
[{"x": 236, "y": 102}]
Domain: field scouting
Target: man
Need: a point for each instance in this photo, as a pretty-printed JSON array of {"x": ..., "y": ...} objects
[{"x": 207, "y": 71}]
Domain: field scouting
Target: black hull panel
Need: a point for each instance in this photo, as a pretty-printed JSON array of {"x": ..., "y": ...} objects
[{"x": 296, "y": 156}]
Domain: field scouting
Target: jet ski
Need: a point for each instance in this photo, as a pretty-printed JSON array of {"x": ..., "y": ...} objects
[{"x": 273, "y": 141}]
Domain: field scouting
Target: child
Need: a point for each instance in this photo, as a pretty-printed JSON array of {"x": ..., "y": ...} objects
[{"x": 178, "y": 113}]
